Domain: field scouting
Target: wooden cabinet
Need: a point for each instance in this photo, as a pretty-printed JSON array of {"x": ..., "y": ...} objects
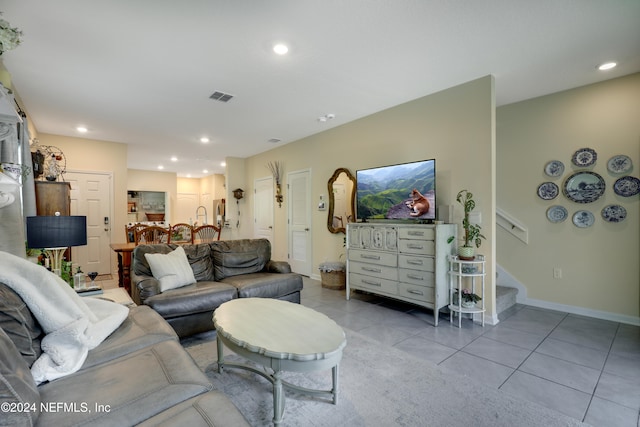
[
  {"x": 407, "y": 262},
  {"x": 52, "y": 197}
]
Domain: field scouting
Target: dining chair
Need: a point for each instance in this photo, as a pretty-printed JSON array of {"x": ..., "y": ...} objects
[
  {"x": 131, "y": 230},
  {"x": 181, "y": 233},
  {"x": 152, "y": 235},
  {"x": 206, "y": 233}
]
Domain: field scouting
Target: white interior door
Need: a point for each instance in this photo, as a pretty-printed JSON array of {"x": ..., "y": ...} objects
[
  {"x": 91, "y": 196},
  {"x": 299, "y": 186},
  {"x": 263, "y": 209},
  {"x": 186, "y": 205}
]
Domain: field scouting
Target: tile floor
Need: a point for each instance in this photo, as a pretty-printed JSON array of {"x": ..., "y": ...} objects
[{"x": 586, "y": 368}]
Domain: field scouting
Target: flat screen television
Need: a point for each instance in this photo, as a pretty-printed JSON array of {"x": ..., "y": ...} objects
[{"x": 405, "y": 191}]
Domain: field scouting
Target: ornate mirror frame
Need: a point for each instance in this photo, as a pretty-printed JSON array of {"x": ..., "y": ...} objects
[{"x": 341, "y": 224}]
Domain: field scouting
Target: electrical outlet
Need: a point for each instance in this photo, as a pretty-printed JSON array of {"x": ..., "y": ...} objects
[{"x": 557, "y": 273}]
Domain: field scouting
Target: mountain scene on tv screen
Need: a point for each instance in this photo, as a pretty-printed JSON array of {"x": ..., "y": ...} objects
[{"x": 386, "y": 193}]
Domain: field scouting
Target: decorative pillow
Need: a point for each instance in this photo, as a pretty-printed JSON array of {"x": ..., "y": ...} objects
[
  {"x": 19, "y": 324},
  {"x": 172, "y": 270}
]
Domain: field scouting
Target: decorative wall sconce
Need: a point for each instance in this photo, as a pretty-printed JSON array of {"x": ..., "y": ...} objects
[{"x": 276, "y": 171}]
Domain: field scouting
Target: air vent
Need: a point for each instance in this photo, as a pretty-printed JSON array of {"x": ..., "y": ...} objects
[
  {"x": 221, "y": 96},
  {"x": 273, "y": 140}
]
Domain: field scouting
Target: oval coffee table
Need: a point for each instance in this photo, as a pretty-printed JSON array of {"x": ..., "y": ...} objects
[{"x": 282, "y": 336}]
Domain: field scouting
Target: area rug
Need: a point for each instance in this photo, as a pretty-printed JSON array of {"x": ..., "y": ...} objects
[{"x": 379, "y": 386}]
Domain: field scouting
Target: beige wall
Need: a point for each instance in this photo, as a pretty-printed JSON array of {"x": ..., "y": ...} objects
[
  {"x": 455, "y": 126},
  {"x": 97, "y": 156},
  {"x": 155, "y": 181},
  {"x": 601, "y": 264}
]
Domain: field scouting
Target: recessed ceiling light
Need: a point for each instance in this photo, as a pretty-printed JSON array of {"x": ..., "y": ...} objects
[
  {"x": 204, "y": 139},
  {"x": 160, "y": 167},
  {"x": 223, "y": 164},
  {"x": 82, "y": 129},
  {"x": 205, "y": 171},
  {"x": 280, "y": 49},
  {"x": 606, "y": 66},
  {"x": 188, "y": 175},
  {"x": 174, "y": 159}
]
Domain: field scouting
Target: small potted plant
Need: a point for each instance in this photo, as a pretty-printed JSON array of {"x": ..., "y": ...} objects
[
  {"x": 472, "y": 235},
  {"x": 469, "y": 299}
]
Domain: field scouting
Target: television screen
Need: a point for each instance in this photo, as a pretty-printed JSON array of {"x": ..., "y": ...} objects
[{"x": 404, "y": 191}]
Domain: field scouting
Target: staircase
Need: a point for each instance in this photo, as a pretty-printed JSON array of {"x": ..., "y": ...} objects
[{"x": 505, "y": 298}]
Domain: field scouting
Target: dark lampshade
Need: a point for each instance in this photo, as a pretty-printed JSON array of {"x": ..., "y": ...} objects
[{"x": 56, "y": 231}]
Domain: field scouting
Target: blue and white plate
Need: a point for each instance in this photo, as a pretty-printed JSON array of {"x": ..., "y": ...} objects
[
  {"x": 627, "y": 186},
  {"x": 554, "y": 168},
  {"x": 584, "y": 157},
  {"x": 548, "y": 191},
  {"x": 584, "y": 187},
  {"x": 619, "y": 164},
  {"x": 557, "y": 213},
  {"x": 614, "y": 213},
  {"x": 583, "y": 219}
]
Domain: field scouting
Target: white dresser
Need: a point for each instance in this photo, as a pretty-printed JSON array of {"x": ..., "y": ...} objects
[{"x": 407, "y": 262}]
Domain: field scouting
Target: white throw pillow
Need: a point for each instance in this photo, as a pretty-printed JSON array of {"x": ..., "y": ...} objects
[{"x": 172, "y": 270}]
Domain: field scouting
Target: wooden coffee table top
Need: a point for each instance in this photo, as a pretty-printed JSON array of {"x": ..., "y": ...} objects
[{"x": 279, "y": 329}]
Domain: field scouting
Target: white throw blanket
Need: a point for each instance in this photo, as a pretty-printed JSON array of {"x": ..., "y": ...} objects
[{"x": 73, "y": 325}]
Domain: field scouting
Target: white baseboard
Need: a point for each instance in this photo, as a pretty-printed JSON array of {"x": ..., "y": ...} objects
[
  {"x": 506, "y": 279},
  {"x": 315, "y": 277},
  {"x": 604, "y": 315}
]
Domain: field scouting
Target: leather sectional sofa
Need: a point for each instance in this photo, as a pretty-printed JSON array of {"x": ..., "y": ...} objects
[
  {"x": 223, "y": 270},
  {"x": 139, "y": 375}
]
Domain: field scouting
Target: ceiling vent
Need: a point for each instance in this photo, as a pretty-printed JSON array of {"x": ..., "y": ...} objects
[
  {"x": 273, "y": 140},
  {"x": 221, "y": 96}
]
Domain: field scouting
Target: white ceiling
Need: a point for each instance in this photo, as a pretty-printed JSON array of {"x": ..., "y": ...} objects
[{"x": 140, "y": 72}]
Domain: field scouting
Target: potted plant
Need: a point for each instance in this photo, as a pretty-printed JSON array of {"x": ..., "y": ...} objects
[
  {"x": 469, "y": 299},
  {"x": 472, "y": 235}
]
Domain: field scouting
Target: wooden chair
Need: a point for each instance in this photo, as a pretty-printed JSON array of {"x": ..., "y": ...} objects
[
  {"x": 206, "y": 233},
  {"x": 181, "y": 233},
  {"x": 152, "y": 234},
  {"x": 131, "y": 230}
]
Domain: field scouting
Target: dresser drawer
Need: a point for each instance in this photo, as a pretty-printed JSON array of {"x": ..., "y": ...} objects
[
  {"x": 418, "y": 247},
  {"x": 378, "y": 258},
  {"x": 417, "y": 233},
  {"x": 375, "y": 270},
  {"x": 373, "y": 284},
  {"x": 416, "y": 277},
  {"x": 420, "y": 293},
  {"x": 424, "y": 263}
]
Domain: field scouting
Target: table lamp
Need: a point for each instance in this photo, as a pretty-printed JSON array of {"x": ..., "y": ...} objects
[{"x": 54, "y": 234}]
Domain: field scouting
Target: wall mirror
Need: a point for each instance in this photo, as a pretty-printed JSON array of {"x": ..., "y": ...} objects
[{"x": 342, "y": 195}]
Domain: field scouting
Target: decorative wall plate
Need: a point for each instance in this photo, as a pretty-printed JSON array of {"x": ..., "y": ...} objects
[
  {"x": 583, "y": 219},
  {"x": 554, "y": 168},
  {"x": 557, "y": 213},
  {"x": 548, "y": 191},
  {"x": 584, "y": 187},
  {"x": 584, "y": 157},
  {"x": 627, "y": 186},
  {"x": 613, "y": 213},
  {"x": 619, "y": 164}
]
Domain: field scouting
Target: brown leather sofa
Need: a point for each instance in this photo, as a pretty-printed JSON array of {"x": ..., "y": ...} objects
[
  {"x": 139, "y": 375},
  {"x": 223, "y": 270}
]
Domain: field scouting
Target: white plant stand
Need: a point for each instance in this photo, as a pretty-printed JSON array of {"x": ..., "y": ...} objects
[{"x": 470, "y": 275}]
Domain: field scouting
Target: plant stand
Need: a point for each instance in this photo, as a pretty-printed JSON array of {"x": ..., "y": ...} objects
[{"x": 461, "y": 272}]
